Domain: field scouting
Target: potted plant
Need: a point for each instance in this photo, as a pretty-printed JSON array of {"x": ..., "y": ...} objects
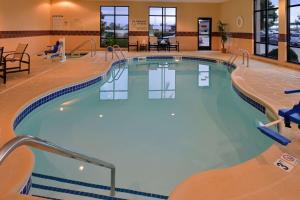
[{"x": 223, "y": 34}]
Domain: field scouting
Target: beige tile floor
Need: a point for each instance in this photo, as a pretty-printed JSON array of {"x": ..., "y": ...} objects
[{"x": 255, "y": 179}]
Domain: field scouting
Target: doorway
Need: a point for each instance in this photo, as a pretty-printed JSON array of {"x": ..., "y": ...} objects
[{"x": 204, "y": 33}]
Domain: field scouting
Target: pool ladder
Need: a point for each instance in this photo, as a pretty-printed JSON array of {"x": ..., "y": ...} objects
[
  {"x": 37, "y": 143},
  {"x": 234, "y": 56},
  {"x": 115, "y": 51}
]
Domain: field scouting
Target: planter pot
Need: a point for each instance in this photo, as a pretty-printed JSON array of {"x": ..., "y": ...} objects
[{"x": 110, "y": 49}]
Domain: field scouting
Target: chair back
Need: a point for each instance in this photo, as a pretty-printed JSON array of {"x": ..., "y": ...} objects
[
  {"x": 1, "y": 54},
  {"x": 56, "y": 47},
  {"x": 172, "y": 40},
  {"x": 152, "y": 40},
  {"x": 21, "y": 48}
]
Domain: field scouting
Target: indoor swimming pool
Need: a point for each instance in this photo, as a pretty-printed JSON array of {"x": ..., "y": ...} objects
[{"x": 158, "y": 121}]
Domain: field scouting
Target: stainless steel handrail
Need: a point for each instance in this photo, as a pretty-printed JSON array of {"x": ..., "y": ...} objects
[
  {"x": 118, "y": 48},
  {"x": 27, "y": 140},
  {"x": 92, "y": 43},
  {"x": 234, "y": 56},
  {"x": 247, "y": 54}
]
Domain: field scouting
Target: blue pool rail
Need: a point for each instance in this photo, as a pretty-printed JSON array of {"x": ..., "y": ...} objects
[
  {"x": 288, "y": 115},
  {"x": 274, "y": 135},
  {"x": 292, "y": 91}
]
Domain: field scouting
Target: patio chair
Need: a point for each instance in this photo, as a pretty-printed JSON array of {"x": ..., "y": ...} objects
[
  {"x": 134, "y": 45},
  {"x": 18, "y": 57},
  {"x": 153, "y": 43},
  {"x": 173, "y": 44},
  {"x": 2, "y": 65}
]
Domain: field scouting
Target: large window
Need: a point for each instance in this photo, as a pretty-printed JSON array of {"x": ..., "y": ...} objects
[
  {"x": 293, "y": 31},
  {"x": 114, "y": 26},
  {"x": 266, "y": 28},
  {"x": 162, "y": 22}
]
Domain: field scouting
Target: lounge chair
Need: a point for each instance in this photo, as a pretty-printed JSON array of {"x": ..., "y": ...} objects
[
  {"x": 173, "y": 43},
  {"x": 19, "y": 57},
  {"x": 2, "y": 65},
  {"x": 153, "y": 43}
]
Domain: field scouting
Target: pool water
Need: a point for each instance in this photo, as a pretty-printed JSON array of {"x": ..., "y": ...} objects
[{"x": 159, "y": 121}]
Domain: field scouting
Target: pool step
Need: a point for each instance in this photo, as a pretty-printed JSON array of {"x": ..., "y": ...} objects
[{"x": 52, "y": 187}]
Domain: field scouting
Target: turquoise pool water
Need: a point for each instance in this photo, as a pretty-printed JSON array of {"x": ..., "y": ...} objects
[{"x": 159, "y": 121}]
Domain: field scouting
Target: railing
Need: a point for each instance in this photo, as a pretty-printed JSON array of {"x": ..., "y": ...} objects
[
  {"x": 234, "y": 56},
  {"x": 92, "y": 50},
  {"x": 117, "y": 48},
  {"x": 247, "y": 55},
  {"x": 27, "y": 140}
]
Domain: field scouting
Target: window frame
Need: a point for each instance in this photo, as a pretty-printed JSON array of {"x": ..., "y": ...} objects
[
  {"x": 162, "y": 17},
  {"x": 114, "y": 15},
  {"x": 266, "y": 26},
  {"x": 288, "y": 29}
]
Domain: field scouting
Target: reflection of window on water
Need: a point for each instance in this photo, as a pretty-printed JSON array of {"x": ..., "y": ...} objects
[
  {"x": 203, "y": 78},
  {"x": 162, "y": 83},
  {"x": 116, "y": 88}
]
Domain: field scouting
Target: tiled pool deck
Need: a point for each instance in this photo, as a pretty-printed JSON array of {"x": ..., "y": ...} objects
[{"x": 255, "y": 179}]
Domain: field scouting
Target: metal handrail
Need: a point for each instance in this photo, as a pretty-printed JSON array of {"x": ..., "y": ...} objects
[
  {"x": 93, "y": 46},
  {"x": 118, "y": 48},
  {"x": 232, "y": 59},
  {"x": 247, "y": 54},
  {"x": 234, "y": 56},
  {"x": 28, "y": 140}
]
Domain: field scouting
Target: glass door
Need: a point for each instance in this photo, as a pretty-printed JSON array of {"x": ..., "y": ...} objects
[{"x": 204, "y": 33}]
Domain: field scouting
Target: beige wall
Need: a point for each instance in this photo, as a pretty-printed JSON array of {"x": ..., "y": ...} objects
[
  {"x": 84, "y": 15},
  {"x": 230, "y": 10},
  {"x": 20, "y": 15}
]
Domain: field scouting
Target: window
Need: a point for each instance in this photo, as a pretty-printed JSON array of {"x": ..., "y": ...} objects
[
  {"x": 266, "y": 31},
  {"x": 293, "y": 37},
  {"x": 162, "y": 22},
  {"x": 114, "y": 26}
]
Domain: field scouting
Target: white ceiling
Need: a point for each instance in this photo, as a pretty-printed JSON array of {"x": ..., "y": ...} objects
[{"x": 181, "y": 1}]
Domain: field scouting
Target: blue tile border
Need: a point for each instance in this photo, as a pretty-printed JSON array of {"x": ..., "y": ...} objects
[
  {"x": 51, "y": 96},
  {"x": 255, "y": 104},
  {"x": 96, "y": 186},
  {"x": 26, "y": 189}
]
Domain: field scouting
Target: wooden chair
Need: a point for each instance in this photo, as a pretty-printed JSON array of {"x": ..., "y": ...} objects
[
  {"x": 153, "y": 43},
  {"x": 173, "y": 44},
  {"x": 17, "y": 56},
  {"x": 2, "y": 65},
  {"x": 134, "y": 45}
]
